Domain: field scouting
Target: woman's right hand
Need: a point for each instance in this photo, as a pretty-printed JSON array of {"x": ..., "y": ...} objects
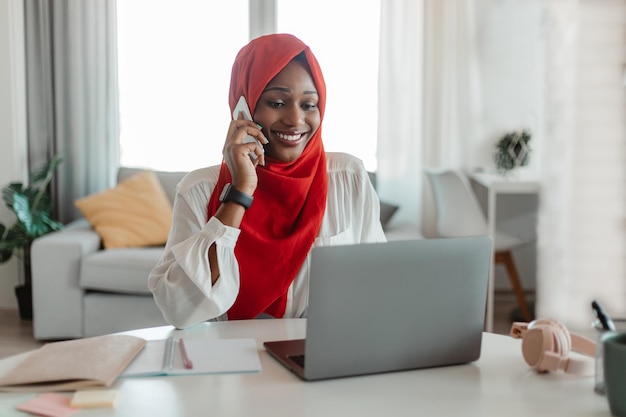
[
  {"x": 237, "y": 154},
  {"x": 242, "y": 167}
]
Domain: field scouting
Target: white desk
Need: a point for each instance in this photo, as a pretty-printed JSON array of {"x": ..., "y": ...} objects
[
  {"x": 498, "y": 384},
  {"x": 496, "y": 184}
]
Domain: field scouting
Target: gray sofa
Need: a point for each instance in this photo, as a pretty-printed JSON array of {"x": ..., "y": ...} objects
[{"x": 81, "y": 290}]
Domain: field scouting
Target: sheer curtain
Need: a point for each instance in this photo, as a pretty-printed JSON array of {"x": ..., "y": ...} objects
[
  {"x": 429, "y": 99},
  {"x": 452, "y": 103},
  {"x": 399, "y": 153},
  {"x": 452, "y": 99},
  {"x": 72, "y": 95}
]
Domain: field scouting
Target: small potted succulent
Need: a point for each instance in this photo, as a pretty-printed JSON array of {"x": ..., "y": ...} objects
[{"x": 512, "y": 151}]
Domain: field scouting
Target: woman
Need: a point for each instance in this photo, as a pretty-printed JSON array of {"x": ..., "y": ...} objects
[{"x": 242, "y": 232}]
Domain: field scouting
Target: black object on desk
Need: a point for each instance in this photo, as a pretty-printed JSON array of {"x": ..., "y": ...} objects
[{"x": 605, "y": 320}]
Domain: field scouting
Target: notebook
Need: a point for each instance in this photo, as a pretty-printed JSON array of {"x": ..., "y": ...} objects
[
  {"x": 206, "y": 356},
  {"x": 92, "y": 362},
  {"x": 384, "y": 307}
]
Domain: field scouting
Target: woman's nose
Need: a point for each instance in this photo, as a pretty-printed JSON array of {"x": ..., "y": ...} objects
[{"x": 293, "y": 116}]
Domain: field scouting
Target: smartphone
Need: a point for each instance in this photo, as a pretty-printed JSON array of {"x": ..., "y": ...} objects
[{"x": 242, "y": 107}]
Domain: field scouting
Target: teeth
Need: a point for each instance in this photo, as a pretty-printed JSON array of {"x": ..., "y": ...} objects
[{"x": 289, "y": 137}]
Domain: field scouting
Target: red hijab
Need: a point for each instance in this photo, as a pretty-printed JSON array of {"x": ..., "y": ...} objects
[{"x": 279, "y": 228}]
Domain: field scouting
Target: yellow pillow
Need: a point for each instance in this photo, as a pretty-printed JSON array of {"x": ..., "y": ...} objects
[{"x": 135, "y": 213}]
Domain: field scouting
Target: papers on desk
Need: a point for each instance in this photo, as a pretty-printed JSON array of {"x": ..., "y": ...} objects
[{"x": 209, "y": 356}]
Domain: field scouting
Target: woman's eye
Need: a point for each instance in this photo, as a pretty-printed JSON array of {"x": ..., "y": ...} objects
[
  {"x": 309, "y": 106},
  {"x": 275, "y": 104}
]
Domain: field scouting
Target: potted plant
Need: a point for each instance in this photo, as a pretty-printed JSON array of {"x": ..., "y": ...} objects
[
  {"x": 32, "y": 207},
  {"x": 511, "y": 151}
]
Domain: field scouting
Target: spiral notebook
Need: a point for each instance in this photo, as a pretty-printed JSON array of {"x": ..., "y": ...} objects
[{"x": 208, "y": 356}]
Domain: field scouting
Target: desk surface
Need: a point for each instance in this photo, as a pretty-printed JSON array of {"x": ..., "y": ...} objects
[
  {"x": 498, "y": 384},
  {"x": 498, "y": 183}
]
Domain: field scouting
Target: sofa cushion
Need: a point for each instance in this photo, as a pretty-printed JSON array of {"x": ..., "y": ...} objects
[
  {"x": 387, "y": 210},
  {"x": 168, "y": 179},
  {"x": 123, "y": 270},
  {"x": 135, "y": 213}
]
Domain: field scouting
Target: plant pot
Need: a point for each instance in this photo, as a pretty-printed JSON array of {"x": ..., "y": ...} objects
[{"x": 24, "y": 295}]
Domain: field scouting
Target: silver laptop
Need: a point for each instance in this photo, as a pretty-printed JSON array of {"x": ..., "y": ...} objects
[{"x": 384, "y": 307}]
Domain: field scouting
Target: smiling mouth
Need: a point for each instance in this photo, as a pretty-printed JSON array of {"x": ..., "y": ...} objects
[{"x": 290, "y": 137}]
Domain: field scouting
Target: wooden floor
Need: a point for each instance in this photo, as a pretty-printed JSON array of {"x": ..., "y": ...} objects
[{"x": 17, "y": 335}]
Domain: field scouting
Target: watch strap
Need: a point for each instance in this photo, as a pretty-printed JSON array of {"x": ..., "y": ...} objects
[{"x": 230, "y": 193}]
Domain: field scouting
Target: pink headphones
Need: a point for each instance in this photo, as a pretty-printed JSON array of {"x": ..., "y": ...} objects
[{"x": 547, "y": 344}]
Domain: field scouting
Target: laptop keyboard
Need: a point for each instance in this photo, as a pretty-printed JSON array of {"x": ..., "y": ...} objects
[{"x": 298, "y": 359}]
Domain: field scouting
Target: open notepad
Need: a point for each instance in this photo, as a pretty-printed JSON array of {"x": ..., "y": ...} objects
[{"x": 209, "y": 356}]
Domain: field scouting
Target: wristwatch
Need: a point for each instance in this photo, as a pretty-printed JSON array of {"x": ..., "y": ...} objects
[{"x": 230, "y": 193}]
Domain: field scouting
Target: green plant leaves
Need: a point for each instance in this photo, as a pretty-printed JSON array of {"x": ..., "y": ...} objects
[
  {"x": 32, "y": 207},
  {"x": 35, "y": 222},
  {"x": 512, "y": 150}
]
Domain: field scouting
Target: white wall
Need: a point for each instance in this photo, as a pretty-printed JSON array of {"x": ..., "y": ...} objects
[
  {"x": 510, "y": 49},
  {"x": 13, "y": 165}
]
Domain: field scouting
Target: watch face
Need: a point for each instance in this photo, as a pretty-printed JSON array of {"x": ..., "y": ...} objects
[{"x": 225, "y": 191}]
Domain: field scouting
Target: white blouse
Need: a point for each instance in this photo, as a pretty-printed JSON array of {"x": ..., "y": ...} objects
[{"x": 181, "y": 280}]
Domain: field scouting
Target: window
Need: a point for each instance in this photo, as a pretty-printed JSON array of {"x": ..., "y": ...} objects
[
  {"x": 344, "y": 36},
  {"x": 175, "y": 58}
]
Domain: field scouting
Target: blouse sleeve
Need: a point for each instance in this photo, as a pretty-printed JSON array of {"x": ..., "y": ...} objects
[
  {"x": 181, "y": 280},
  {"x": 369, "y": 216},
  {"x": 353, "y": 209}
]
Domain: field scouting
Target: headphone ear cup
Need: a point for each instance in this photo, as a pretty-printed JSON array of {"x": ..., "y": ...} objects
[
  {"x": 545, "y": 337},
  {"x": 536, "y": 342},
  {"x": 562, "y": 336}
]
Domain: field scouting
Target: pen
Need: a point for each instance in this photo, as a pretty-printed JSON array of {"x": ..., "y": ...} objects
[
  {"x": 605, "y": 320},
  {"x": 186, "y": 361}
]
